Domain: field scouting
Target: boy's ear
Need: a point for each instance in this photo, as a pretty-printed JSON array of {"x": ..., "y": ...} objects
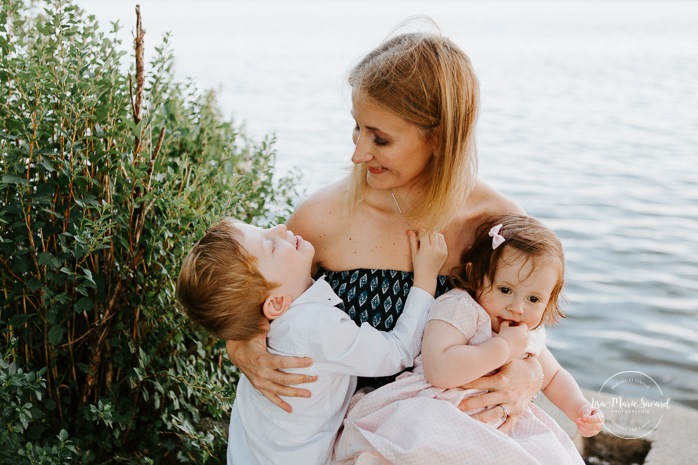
[{"x": 276, "y": 305}]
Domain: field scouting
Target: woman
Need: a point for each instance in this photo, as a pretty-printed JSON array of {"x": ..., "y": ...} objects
[{"x": 415, "y": 102}]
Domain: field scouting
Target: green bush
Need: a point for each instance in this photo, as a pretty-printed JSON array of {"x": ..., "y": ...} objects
[{"x": 106, "y": 179}]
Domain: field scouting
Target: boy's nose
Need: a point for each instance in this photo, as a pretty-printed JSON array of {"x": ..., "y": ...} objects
[{"x": 281, "y": 230}]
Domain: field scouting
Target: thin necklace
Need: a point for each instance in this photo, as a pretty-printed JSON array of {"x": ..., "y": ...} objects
[{"x": 400, "y": 211}]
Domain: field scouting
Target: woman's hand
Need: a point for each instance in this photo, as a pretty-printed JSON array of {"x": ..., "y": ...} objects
[
  {"x": 513, "y": 386},
  {"x": 264, "y": 370}
]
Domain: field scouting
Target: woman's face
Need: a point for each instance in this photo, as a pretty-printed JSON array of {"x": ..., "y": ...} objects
[{"x": 394, "y": 151}]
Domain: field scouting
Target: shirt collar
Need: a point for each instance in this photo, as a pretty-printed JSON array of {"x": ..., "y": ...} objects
[{"x": 319, "y": 292}]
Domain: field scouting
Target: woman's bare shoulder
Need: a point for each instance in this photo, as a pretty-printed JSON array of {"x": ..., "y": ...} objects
[
  {"x": 485, "y": 201},
  {"x": 321, "y": 212}
]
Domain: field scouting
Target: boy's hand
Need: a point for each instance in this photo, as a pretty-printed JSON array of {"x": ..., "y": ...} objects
[
  {"x": 516, "y": 337},
  {"x": 589, "y": 420},
  {"x": 429, "y": 254}
]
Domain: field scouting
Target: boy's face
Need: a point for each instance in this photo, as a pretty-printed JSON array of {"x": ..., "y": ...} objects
[{"x": 281, "y": 257}]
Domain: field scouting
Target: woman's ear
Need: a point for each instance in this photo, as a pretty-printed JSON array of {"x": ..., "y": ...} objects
[{"x": 276, "y": 305}]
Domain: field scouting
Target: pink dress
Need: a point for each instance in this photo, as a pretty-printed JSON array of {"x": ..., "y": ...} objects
[{"x": 412, "y": 422}]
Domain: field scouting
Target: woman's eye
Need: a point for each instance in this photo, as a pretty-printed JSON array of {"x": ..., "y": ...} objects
[{"x": 380, "y": 142}]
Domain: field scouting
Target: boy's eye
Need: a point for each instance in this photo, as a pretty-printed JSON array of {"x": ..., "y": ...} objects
[{"x": 505, "y": 290}]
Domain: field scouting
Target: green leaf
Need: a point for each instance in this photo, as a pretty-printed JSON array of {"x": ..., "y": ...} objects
[
  {"x": 83, "y": 305},
  {"x": 83, "y": 367},
  {"x": 49, "y": 260},
  {"x": 11, "y": 179},
  {"x": 33, "y": 284},
  {"x": 55, "y": 335},
  {"x": 19, "y": 320},
  {"x": 88, "y": 275},
  {"x": 48, "y": 166}
]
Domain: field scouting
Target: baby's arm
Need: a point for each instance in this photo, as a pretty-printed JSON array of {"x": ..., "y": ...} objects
[
  {"x": 562, "y": 390},
  {"x": 450, "y": 362}
]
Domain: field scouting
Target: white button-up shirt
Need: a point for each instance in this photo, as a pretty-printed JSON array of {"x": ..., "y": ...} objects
[{"x": 262, "y": 433}]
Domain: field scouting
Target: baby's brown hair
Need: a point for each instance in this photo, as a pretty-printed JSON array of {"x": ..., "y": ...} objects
[
  {"x": 219, "y": 286},
  {"x": 526, "y": 235}
]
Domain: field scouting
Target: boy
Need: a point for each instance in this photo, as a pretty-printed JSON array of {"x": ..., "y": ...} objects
[{"x": 238, "y": 278}]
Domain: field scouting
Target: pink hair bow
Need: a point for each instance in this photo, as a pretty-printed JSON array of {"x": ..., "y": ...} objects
[{"x": 497, "y": 239}]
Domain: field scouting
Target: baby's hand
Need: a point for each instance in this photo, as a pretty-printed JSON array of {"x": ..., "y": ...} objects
[
  {"x": 589, "y": 420},
  {"x": 516, "y": 336},
  {"x": 429, "y": 253}
]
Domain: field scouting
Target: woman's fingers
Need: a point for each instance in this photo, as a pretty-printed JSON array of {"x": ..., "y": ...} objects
[
  {"x": 275, "y": 380},
  {"x": 276, "y": 400},
  {"x": 492, "y": 415},
  {"x": 273, "y": 383},
  {"x": 482, "y": 401},
  {"x": 284, "y": 362}
]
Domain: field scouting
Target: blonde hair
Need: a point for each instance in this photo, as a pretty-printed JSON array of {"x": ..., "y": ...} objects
[
  {"x": 523, "y": 233},
  {"x": 428, "y": 81},
  {"x": 219, "y": 286}
]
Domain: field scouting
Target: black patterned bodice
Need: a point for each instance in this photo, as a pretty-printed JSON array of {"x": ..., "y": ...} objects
[{"x": 376, "y": 296}]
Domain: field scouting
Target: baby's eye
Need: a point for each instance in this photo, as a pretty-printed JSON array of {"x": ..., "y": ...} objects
[
  {"x": 534, "y": 299},
  {"x": 505, "y": 290}
]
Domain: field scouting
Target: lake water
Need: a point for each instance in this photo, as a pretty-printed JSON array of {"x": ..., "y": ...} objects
[{"x": 589, "y": 120}]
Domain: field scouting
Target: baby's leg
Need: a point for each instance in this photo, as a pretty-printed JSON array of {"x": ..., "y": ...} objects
[{"x": 370, "y": 458}]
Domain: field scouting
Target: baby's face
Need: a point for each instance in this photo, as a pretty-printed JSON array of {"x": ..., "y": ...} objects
[
  {"x": 520, "y": 292},
  {"x": 281, "y": 257}
]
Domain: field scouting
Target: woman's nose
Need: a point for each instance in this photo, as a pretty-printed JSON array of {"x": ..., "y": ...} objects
[{"x": 362, "y": 153}]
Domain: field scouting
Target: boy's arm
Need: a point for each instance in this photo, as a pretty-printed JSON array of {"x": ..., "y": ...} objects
[{"x": 364, "y": 350}]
